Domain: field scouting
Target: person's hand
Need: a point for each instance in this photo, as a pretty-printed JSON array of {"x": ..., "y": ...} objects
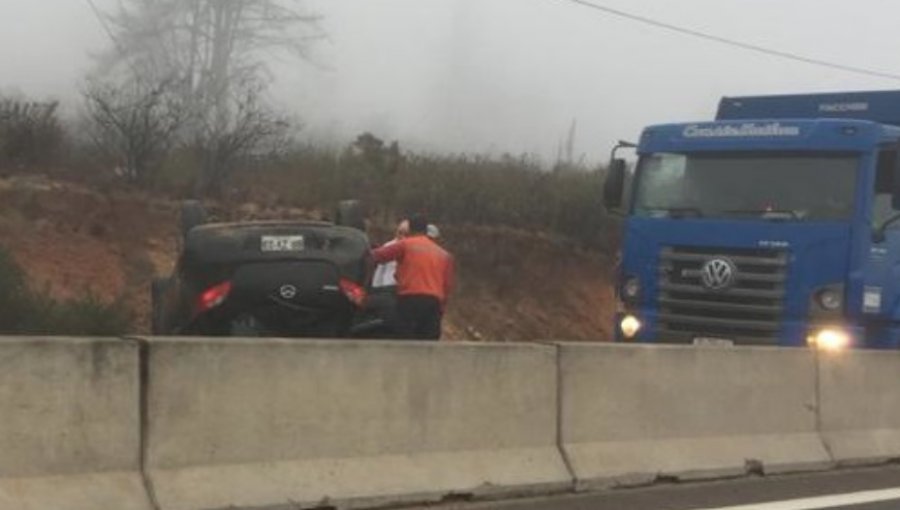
[{"x": 402, "y": 229}]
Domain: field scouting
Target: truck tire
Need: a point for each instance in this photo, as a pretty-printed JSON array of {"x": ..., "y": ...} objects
[
  {"x": 350, "y": 214},
  {"x": 193, "y": 214}
]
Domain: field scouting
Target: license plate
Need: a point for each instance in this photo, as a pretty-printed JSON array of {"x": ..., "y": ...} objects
[
  {"x": 701, "y": 341},
  {"x": 282, "y": 243}
]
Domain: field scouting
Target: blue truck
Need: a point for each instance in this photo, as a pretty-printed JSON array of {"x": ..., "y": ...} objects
[{"x": 776, "y": 224}]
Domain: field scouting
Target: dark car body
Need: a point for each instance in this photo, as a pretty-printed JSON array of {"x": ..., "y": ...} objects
[{"x": 293, "y": 279}]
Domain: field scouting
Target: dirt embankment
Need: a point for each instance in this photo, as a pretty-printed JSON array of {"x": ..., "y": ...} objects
[
  {"x": 516, "y": 285},
  {"x": 513, "y": 285}
]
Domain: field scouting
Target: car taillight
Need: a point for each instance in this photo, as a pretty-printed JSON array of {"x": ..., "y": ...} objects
[
  {"x": 212, "y": 297},
  {"x": 354, "y": 292}
]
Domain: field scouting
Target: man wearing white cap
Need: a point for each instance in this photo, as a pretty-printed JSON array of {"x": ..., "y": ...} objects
[
  {"x": 383, "y": 298},
  {"x": 425, "y": 275}
]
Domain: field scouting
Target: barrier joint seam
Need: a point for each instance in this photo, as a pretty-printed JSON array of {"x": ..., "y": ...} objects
[
  {"x": 144, "y": 419},
  {"x": 820, "y": 429},
  {"x": 560, "y": 440}
]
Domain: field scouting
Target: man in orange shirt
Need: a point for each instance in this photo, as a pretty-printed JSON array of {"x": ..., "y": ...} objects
[{"x": 424, "y": 281}]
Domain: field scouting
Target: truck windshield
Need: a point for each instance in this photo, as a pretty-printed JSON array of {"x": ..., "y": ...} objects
[{"x": 775, "y": 186}]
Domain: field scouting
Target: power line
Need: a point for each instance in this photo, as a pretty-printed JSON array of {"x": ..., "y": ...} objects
[{"x": 730, "y": 42}]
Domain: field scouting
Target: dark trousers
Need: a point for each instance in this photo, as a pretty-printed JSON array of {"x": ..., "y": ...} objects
[
  {"x": 419, "y": 317},
  {"x": 382, "y": 304}
]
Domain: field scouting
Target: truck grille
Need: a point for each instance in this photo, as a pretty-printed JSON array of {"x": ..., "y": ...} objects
[{"x": 749, "y": 311}]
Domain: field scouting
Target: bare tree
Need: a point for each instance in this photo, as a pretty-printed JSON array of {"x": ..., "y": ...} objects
[
  {"x": 207, "y": 45},
  {"x": 214, "y": 53},
  {"x": 251, "y": 129},
  {"x": 136, "y": 124}
]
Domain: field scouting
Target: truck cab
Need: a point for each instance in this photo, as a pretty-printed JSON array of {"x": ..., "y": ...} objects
[{"x": 776, "y": 224}]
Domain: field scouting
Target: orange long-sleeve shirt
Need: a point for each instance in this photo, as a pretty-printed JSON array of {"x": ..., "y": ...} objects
[{"x": 423, "y": 267}]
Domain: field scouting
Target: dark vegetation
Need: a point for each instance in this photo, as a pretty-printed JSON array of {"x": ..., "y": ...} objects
[
  {"x": 24, "y": 310},
  {"x": 30, "y": 133},
  {"x": 457, "y": 189},
  {"x": 465, "y": 192},
  {"x": 508, "y": 191}
]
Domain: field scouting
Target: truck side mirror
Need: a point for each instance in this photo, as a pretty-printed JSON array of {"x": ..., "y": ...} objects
[{"x": 614, "y": 188}]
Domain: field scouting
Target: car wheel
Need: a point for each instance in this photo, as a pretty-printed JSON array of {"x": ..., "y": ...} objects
[
  {"x": 350, "y": 214},
  {"x": 193, "y": 214},
  {"x": 157, "y": 289}
]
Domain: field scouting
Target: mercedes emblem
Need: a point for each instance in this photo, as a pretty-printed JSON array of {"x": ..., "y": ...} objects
[{"x": 288, "y": 291}]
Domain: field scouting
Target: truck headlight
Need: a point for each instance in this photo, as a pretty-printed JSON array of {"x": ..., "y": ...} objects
[
  {"x": 631, "y": 289},
  {"x": 830, "y": 299},
  {"x": 630, "y": 326},
  {"x": 830, "y": 339}
]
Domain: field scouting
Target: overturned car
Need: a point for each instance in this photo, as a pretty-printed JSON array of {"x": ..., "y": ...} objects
[{"x": 267, "y": 278}]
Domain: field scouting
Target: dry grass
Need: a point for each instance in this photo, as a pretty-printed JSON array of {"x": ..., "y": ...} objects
[
  {"x": 34, "y": 312},
  {"x": 457, "y": 190}
]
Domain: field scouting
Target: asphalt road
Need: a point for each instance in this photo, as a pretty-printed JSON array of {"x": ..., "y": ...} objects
[{"x": 857, "y": 489}]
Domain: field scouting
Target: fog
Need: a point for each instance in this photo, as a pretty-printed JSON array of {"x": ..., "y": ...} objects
[{"x": 494, "y": 76}]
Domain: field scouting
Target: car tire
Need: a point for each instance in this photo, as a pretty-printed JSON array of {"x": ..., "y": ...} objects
[
  {"x": 350, "y": 214},
  {"x": 193, "y": 214},
  {"x": 157, "y": 289}
]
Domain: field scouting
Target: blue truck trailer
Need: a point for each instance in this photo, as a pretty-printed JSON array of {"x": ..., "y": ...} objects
[{"x": 776, "y": 224}]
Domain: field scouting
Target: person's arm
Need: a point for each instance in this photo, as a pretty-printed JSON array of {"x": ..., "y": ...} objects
[{"x": 388, "y": 252}]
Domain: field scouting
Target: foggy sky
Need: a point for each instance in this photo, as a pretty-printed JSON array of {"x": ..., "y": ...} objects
[{"x": 492, "y": 76}]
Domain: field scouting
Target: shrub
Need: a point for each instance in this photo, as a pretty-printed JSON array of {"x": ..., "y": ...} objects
[
  {"x": 24, "y": 311},
  {"x": 30, "y": 132},
  {"x": 15, "y": 302},
  {"x": 87, "y": 316},
  {"x": 459, "y": 189}
]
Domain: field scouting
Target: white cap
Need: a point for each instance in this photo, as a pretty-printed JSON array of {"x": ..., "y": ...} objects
[{"x": 433, "y": 232}]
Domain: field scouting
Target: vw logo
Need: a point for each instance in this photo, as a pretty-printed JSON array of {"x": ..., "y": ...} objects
[
  {"x": 718, "y": 274},
  {"x": 288, "y": 291}
]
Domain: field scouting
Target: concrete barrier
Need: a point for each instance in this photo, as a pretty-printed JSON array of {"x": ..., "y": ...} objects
[
  {"x": 631, "y": 414},
  {"x": 860, "y": 405},
  {"x": 285, "y": 424},
  {"x": 70, "y": 425},
  {"x": 266, "y": 423}
]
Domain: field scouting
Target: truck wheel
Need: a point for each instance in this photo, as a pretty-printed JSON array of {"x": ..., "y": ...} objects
[
  {"x": 350, "y": 214},
  {"x": 157, "y": 289},
  {"x": 193, "y": 214}
]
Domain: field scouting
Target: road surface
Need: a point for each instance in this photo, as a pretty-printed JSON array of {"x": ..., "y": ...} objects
[{"x": 857, "y": 489}]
